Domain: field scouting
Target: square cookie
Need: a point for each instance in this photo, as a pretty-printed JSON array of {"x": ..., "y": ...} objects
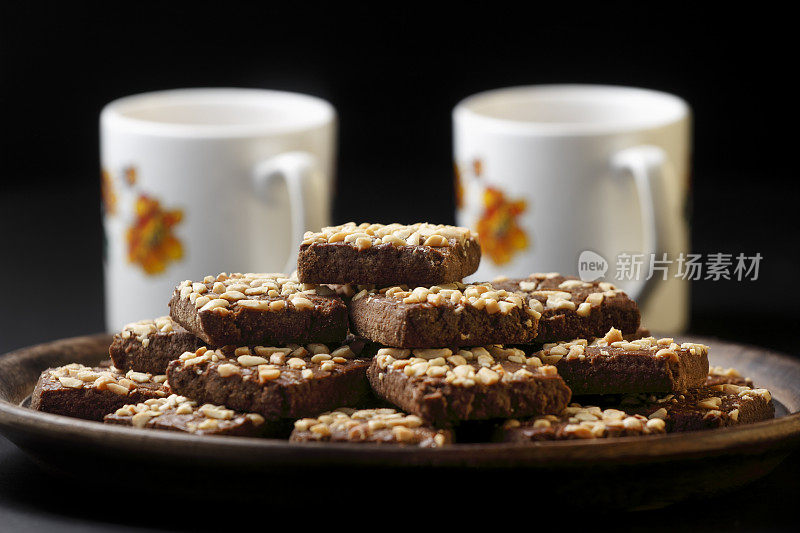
[
  {"x": 245, "y": 309},
  {"x": 612, "y": 365},
  {"x": 276, "y": 382},
  {"x": 375, "y": 426},
  {"x": 178, "y": 413},
  {"x": 444, "y": 387},
  {"x": 573, "y": 309},
  {"x": 718, "y": 375},
  {"x": 92, "y": 392},
  {"x": 579, "y": 422},
  {"x": 704, "y": 407},
  {"x": 382, "y": 255},
  {"x": 454, "y": 314},
  {"x": 149, "y": 345}
]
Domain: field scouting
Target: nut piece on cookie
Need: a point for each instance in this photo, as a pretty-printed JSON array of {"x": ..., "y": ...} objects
[
  {"x": 377, "y": 426},
  {"x": 445, "y": 386},
  {"x": 274, "y": 381},
  {"x": 245, "y": 309},
  {"x": 92, "y": 392},
  {"x": 612, "y": 365},
  {"x": 452, "y": 314},
  {"x": 178, "y": 413},
  {"x": 394, "y": 254},
  {"x": 149, "y": 345},
  {"x": 572, "y": 308},
  {"x": 579, "y": 422}
]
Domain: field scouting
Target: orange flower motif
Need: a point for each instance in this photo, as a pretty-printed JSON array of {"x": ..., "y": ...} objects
[
  {"x": 151, "y": 241},
  {"x": 501, "y": 235},
  {"x": 130, "y": 175},
  {"x": 107, "y": 193},
  {"x": 458, "y": 186},
  {"x": 477, "y": 167}
]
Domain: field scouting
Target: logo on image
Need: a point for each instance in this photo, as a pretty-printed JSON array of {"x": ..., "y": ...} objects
[{"x": 591, "y": 266}]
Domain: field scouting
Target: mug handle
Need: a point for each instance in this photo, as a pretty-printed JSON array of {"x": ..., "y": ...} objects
[
  {"x": 646, "y": 164},
  {"x": 306, "y": 206}
]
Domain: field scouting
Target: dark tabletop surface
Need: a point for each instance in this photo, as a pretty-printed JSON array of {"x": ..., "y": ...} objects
[{"x": 32, "y": 499}]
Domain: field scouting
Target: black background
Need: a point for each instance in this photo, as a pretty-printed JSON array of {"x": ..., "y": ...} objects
[{"x": 393, "y": 76}]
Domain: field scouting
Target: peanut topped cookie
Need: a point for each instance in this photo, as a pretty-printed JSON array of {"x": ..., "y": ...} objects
[
  {"x": 377, "y": 426},
  {"x": 444, "y": 386},
  {"x": 149, "y": 345},
  {"x": 178, "y": 413},
  {"x": 718, "y": 375},
  {"x": 572, "y": 308},
  {"x": 258, "y": 309},
  {"x": 394, "y": 254},
  {"x": 704, "y": 407},
  {"x": 92, "y": 392},
  {"x": 579, "y": 422},
  {"x": 612, "y": 365},
  {"x": 274, "y": 381},
  {"x": 452, "y": 314}
]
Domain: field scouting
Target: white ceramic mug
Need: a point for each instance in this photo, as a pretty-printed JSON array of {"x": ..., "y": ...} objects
[
  {"x": 200, "y": 181},
  {"x": 545, "y": 173}
]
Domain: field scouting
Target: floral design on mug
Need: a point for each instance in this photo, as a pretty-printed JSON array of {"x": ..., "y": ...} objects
[
  {"x": 501, "y": 235},
  {"x": 477, "y": 167},
  {"x": 107, "y": 193},
  {"x": 151, "y": 241},
  {"x": 130, "y": 175},
  {"x": 458, "y": 185}
]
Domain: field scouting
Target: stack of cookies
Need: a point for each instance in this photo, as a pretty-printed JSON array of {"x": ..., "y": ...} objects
[{"x": 377, "y": 339}]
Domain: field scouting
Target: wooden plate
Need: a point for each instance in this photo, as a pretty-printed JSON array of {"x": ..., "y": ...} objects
[{"x": 631, "y": 473}]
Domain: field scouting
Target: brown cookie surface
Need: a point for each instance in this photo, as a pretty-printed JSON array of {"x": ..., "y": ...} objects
[
  {"x": 90, "y": 393},
  {"x": 579, "y": 422},
  {"x": 572, "y": 308},
  {"x": 149, "y": 345},
  {"x": 243, "y": 309},
  {"x": 178, "y": 413},
  {"x": 376, "y": 426},
  {"x": 612, "y": 365},
  {"x": 704, "y": 407},
  {"x": 718, "y": 375},
  {"x": 276, "y": 382},
  {"x": 453, "y": 314},
  {"x": 444, "y": 386},
  {"x": 382, "y": 255}
]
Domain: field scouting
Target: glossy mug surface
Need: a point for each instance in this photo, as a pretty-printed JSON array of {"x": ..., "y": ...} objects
[
  {"x": 201, "y": 181},
  {"x": 548, "y": 173}
]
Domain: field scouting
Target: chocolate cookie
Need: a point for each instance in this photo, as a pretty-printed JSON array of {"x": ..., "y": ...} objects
[
  {"x": 149, "y": 345},
  {"x": 443, "y": 315},
  {"x": 573, "y": 309},
  {"x": 377, "y": 426},
  {"x": 579, "y": 422},
  {"x": 395, "y": 254},
  {"x": 444, "y": 387},
  {"x": 178, "y": 413},
  {"x": 611, "y": 365},
  {"x": 275, "y": 382},
  {"x": 704, "y": 407},
  {"x": 718, "y": 375},
  {"x": 245, "y": 309},
  {"x": 92, "y": 392}
]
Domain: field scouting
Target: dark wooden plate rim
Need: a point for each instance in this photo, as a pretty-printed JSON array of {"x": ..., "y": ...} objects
[{"x": 782, "y": 432}]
